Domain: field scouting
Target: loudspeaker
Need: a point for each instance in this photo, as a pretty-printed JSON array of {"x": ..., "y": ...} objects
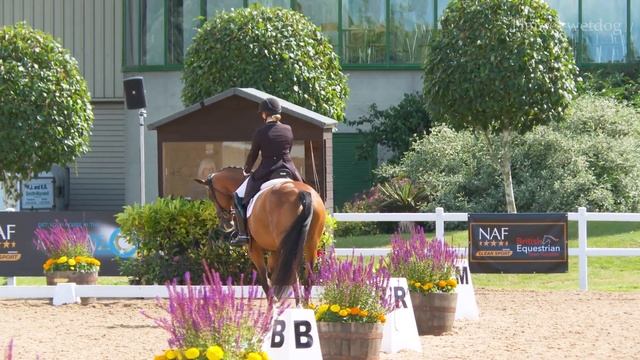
[{"x": 134, "y": 93}]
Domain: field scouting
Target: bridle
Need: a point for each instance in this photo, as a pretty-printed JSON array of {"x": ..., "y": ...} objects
[{"x": 225, "y": 213}]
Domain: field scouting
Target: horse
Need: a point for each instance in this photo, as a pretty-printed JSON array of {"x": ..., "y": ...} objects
[{"x": 286, "y": 222}]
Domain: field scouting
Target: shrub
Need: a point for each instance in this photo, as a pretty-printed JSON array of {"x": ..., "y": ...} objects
[
  {"x": 588, "y": 160},
  {"x": 45, "y": 111},
  {"x": 173, "y": 236},
  {"x": 275, "y": 50},
  {"x": 394, "y": 127}
]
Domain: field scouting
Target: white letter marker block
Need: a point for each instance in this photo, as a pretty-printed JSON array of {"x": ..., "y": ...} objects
[
  {"x": 65, "y": 293},
  {"x": 294, "y": 336},
  {"x": 466, "y": 307},
  {"x": 400, "y": 330}
]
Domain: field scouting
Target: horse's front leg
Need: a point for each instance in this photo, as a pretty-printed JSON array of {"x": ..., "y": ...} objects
[{"x": 257, "y": 257}]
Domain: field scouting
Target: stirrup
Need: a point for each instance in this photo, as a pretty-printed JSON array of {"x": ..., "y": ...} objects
[{"x": 238, "y": 240}]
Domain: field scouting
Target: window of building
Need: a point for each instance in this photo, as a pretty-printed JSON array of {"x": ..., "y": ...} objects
[
  {"x": 569, "y": 17},
  {"x": 604, "y": 31},
  {"x": 184, "y": 161},
  {"x": 370, "y": 33},
  {"x": 411, "y": 26}
]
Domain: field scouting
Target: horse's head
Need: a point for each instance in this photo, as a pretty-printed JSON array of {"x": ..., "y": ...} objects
[{"x": 221, "y": 186}]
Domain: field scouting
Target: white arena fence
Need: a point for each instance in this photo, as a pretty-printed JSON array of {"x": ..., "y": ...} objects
[{"x": 439, "y": 217}]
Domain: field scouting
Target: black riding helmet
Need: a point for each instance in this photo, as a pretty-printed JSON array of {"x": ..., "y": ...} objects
[{"x": 271, "y": 106}]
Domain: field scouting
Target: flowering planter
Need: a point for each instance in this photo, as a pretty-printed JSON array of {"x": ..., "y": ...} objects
[
  {"x": 354, "y": 341},
  {"x": 80, "y": 278},
  {"x": 434, "y": 312}
]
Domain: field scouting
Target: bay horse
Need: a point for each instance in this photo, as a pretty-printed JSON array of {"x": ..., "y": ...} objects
[{"x": 287, "y": 222}]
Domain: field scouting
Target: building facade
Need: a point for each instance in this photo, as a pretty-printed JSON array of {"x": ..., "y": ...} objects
[{"x": 381, "y": 44}]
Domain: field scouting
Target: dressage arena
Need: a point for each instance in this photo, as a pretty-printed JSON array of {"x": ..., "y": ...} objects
[{"x": 513, "y": 325}]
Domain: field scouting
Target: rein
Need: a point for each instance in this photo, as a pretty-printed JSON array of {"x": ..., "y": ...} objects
[{"x": 225, "y": 212}]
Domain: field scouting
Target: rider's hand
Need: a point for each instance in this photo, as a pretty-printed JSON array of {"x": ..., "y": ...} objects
[{"x": 245, "y": 173}]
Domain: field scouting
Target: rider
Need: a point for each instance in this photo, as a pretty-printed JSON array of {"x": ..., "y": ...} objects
[{"x": 273, "y": 141}]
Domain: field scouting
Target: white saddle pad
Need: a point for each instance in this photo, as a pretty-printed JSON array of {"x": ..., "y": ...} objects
[{"x": 263, "y": 188}]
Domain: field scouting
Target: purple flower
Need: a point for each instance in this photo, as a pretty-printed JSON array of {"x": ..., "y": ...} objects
[
  {"x": 64, "y": 239},
  {"x": 8, "y": 354}
]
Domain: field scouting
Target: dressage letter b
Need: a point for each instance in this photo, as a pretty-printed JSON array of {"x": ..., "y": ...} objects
[
  {"x": 277, "y": 335},
  {"x": 302, "y": 329}
]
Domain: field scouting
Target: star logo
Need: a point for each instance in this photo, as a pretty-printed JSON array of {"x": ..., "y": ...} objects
[
  {"x": 5, "y": 244},
  {"x": 13, "y": 244}
]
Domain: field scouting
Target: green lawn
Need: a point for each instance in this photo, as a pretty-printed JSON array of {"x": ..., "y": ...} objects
[{"x": 605, "y": 273}]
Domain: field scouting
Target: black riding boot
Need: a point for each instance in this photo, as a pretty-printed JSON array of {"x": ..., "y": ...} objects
[{"x": 239, "y": 237}]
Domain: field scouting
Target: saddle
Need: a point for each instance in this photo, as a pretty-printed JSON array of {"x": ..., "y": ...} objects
[{"x": 274, "y": 180}]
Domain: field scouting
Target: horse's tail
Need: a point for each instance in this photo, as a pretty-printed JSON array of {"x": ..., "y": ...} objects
[{"x": 292, "y": 245}]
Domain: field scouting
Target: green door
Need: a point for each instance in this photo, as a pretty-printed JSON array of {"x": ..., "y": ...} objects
[{"x": 350, "y": 175}]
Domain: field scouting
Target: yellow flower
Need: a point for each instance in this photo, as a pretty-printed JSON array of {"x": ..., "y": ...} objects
[
  {"x": 71, "y": 262},
  {"x": 381, "y": 318},
  {"x": 417, "y": 284},
  {"x": 354, "y": 311},
  {"x": 323, "y": 308},
  {"x": 214, "y": 353},
  {"x": 343, "y": 312},
  {"x": 264, "y": 355},
  {"x": 254, "y": 356},
  {"x": 442, "y": 283},
  {"x": 62, "y": 260},
  {"x": 429, "y": 286},
  {"x": 192, "y": 353},
  {"x": 452, "y": 282},
  {"x": 364, "y": 313},
  {"x": 312, "y": 306},
  {"x": 335, "y": 308},
  {"x": 170, "y": 354},
  {"x": 160, "y": 357}
]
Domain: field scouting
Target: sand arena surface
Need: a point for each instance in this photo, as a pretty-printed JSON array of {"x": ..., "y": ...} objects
[{"x": 512, "y": 325}]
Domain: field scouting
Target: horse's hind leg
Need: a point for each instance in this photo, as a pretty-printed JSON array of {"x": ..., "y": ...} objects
[{"x": 257, "y": 257}]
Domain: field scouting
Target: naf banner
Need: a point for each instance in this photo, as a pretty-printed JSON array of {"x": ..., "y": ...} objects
[
  {"x": 518, "y": 243},
  {"x": 18, "y": 254}
]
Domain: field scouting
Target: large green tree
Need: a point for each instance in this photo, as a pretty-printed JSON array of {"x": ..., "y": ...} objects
[
  {"x": 499, "y": 67},
  {"x": 275, "y": 50},
  {"x": 45, "y": 107}
]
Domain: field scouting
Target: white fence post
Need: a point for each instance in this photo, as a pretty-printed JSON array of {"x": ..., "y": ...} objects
[
  {"x": 582, "y": 248},
  {"x": 12, "y": 281},
  {"x": 440, "y": 223}
]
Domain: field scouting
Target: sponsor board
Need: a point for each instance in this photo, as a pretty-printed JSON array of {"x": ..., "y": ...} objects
[{"x": 518, "y": 243}]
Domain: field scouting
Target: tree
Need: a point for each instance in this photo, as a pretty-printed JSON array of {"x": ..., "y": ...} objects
[
  {"x": 45, "y": 111},
  {"x": 394, "y": 127},
  {"x": 275, "y": 50},
  {"x": 499, "y": 68}
]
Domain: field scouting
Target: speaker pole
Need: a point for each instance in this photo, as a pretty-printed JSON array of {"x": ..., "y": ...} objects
[{"x": 142, "y": 114}]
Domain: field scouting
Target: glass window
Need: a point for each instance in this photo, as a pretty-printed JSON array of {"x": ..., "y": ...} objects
[
  {"x": 635, "y": 31},
  {"x": 442, "y": 4},
  {"x": 323, "y": 13},
  {"x": 184, "y": 161},
  {"x": 272, "y": 3},
  {"x": 411, "y": 27},
  {"x": 132, "y": 25},
  {"x": 363, "y": 31},
  {"x": 183, "y": 22},
  {"x": 604, "y": 31},
  {"x": 213, "y": 6},
  {"x": 568, "y": 15},
  {"x": 152, "y": 32}
]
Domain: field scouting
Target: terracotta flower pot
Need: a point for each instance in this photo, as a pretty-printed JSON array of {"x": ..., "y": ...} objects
[
  {"x": 80, "y": 278},
  {"x": 434, "y": 312},
  {"x": 354, "y": 341}
]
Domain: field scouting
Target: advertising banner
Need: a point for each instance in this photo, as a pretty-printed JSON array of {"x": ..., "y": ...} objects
[
  {"x": 518, "y": 243},
  {"x": 18, "y": 254}
]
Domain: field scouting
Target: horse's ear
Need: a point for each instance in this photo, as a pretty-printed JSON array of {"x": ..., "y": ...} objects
[{"x": 201, "y": 182}]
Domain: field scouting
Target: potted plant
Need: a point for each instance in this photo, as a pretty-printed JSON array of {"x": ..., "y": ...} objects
[
  {"x": 352, "y": 307},
  {"x": 429, "y": 267},
  {"x": 210, "y": 323},
  {"x": 70, "y": 255}
]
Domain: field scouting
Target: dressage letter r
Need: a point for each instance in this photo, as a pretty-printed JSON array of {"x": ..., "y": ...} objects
[{"x": 399, "y": 294}]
